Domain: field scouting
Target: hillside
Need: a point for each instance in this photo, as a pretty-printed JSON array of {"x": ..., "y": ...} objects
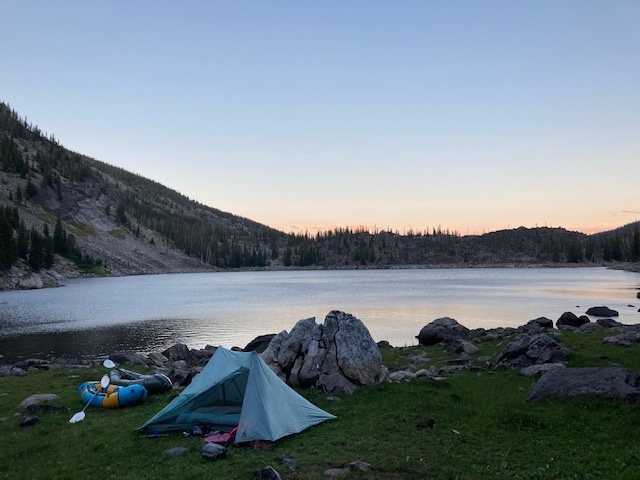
[{"x": 64, "y": 214}]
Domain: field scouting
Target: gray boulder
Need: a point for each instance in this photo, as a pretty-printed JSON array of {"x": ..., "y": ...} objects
[
  {"x": 179, "y": 351},
  {"x": 624, "y": 339},
  {"x": 570, "y": 319},
  {"x": 610, "y": 382},
  {"x": 260, "y": 343},
  {"x": 533, "y": 350},
  {"x": 312, "y": 354},
  {"x": 443, "y": 329},
  {"x": 602, "y": 312},
  {"x": 609, "y": 323},
  {"x": 537, "y": 325}
]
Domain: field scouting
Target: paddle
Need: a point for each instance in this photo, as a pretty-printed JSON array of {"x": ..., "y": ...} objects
[
  {"x": 78, "y": 417},
  {"x": 108, "y": 363}
]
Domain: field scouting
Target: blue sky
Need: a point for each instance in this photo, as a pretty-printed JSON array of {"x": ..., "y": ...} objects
[{"x": 471, "y": 115}]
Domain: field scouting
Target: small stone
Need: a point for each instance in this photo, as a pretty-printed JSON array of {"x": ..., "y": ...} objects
[
  {"x": 292, "y": 463},
  {"x": 27, "y": 421},
  {"x": 213, "y": 451},
  {"x": 336, "y": 472},
  {"x": 360, "y": 465},
  {"x": 267, "y": 473},
  {"x": 176, "y": 451},
  {"x": 38, "y": 399}
]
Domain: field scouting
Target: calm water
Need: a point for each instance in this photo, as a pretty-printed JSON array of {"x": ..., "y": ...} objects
[{"x": 95, "y": 317}]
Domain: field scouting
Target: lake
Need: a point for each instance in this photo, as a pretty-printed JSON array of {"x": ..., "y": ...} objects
[{"x": 94, "y": 317}]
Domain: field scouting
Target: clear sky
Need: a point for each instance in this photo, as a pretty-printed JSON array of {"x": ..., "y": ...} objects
[{"x": 469, "y": 115}]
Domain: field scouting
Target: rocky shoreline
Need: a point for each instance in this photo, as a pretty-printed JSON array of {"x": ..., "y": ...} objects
[{"x": 340, "y": 356}]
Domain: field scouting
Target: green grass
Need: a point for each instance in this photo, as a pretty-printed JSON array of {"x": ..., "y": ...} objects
[{"x": 484, "y": 429}]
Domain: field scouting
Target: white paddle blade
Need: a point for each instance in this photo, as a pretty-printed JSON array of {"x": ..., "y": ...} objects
[
  {"x": 104, "y": 381},
  {"x": 109, "y": 363},
  {"x": 78, "y": 417}
]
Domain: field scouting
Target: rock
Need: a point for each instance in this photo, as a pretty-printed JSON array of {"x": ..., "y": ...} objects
[
  {"x": 336, "y": 472},
  {"x": 38, "y": 399},
  {"x": 569, "y": 319},
  {"x": 176, "y": 451},
  {"x": 268, "y": 473},
  {"x": 403, "y": 375},
  {"x": 213, "y": 451},
  {"x": 30, "y": 281},
  {"x": 33, "y": 362},
  {"x": 443, "y": 329},
  {"x": 291, "y": 463},
  {"x": 537, "y": 325},
  {"x": 462, "y": 346},
  {"x": 541, "y": 369},
  {"x": 360, "y": 465},
  {"x": 18, "y": 372},
  {"x": 127, "y": 358},
  {"x": 28, "y": 421},
  {"x": 179, "y": 351},
  {"x": 181, "y": 377},
  {"x": 260, "y": 343},
  {"x": 533, "y": 350},
  {"x": 638, "y": 295},
  {"x": 381, "y": 344},
  {"x": 336, "y": 382},
  {"x": 199, "y": 357},
  {"x": 609, "y": 323},
  {"x": 609, "y": 382},
  {"x": 33, "y": 409},
  {"x": 602, "y": 312},
  {"x": 342, "y": 471},
  {"x": 590, "y": 327},
  {"x": 316, "y": 355},
  {"x": 623, "y": 340},
  {"x": 157, "y": 359}
]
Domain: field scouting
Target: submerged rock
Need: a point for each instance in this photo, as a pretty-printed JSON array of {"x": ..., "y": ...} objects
[{"x": 602, "y": 312}]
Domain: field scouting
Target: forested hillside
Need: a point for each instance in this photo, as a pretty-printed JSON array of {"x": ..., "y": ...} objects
[{"x": 65, "y": 211}]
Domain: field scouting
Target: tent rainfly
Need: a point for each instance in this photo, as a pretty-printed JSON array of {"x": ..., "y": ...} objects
[{"x": 238, "y": 389}]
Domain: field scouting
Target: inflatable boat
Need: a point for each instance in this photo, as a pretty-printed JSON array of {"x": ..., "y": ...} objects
[
  {"x": 156, "y": 383},
  {"x": 112, "y": 396}
]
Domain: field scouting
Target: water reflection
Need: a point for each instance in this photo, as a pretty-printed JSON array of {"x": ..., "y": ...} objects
[{"x": 95, "y": 317}]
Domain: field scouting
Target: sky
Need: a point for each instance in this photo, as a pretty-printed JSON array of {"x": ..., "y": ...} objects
[{"x": 471, "y": 116}]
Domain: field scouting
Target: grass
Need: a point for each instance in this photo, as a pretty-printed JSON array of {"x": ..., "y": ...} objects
[{"x": 484, "y": 429}]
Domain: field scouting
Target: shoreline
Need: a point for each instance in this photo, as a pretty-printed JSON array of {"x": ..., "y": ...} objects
[{"x": 25, "y": 280}]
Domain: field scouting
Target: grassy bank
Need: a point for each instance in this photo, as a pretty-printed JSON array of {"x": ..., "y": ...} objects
[{"x": 484, "y": 428}]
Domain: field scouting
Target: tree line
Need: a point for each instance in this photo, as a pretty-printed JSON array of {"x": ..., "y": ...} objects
[{"x": 224, "y": 240}]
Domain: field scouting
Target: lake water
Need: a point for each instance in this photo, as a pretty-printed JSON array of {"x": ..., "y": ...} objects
[{"x": 95, "y": 317}]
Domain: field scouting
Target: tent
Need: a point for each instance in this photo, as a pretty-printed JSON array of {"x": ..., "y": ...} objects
[{"x": 238, "y": 389}]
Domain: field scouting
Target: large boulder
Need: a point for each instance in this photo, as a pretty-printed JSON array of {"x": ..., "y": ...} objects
[
  {"x": 610, "y": 382},
  {"x": 533, "y": 350},
  {"x": 339, "y": 355},
  {"x": 443, "y": 329},
  {"x": 570, "y": 319},
  {"x": 602, "y": 312}
]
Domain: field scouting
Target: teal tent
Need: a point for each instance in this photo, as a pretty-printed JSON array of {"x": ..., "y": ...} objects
[{"x": 238, "y": 389}]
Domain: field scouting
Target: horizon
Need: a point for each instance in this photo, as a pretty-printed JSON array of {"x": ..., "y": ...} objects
[{"x": 475, "y": 117}]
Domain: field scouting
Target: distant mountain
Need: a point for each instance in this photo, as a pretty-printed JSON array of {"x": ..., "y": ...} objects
[{"x": 65, "y": 214}]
